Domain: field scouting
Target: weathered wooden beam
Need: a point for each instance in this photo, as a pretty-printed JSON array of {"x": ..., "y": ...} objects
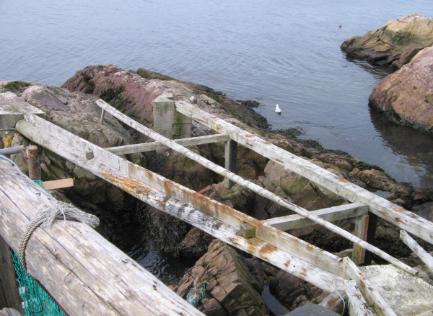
[
  {"x": 11, "y": 150},
  {"x": 368, "y": 289},
  {"x": 12, "y": 109},
  {"x": 230, "y": 159},
  {"x": 83, "y": 272},
  {"x": 187, "y": 142},
  {"x": 360, "y": 230},
  {"x": 58, "y": 184},
  {"x": 9, "y": 296},
  {"x": 358, "y": 306},
  {"x": 424, "y": 256},
  {"x": 283, "y": 250},
  {"x": 391, "y": 212},
  {"x": 331, "y": 214},
  {"x": 249, "y": 184}
]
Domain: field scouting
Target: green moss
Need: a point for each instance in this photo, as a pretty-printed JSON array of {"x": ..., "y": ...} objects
[
  {"x": 16, "y": 86},
  {"x": 114, "y": 97},
  {"x": 148, "y": 74}
]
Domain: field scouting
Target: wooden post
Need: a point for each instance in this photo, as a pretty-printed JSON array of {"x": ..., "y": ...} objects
[
  {"x": 230, "y": 156},
  {"x": 9, "y": 296},
  {"x": 164, "y": 112},
  {"x": 33, "y": 163},
  {"x": 101, "y": 118},
  {"x": 371, "y": 235},
  {"x": 361, "y": 230}
]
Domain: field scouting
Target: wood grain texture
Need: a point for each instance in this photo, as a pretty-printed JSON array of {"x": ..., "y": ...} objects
[{"x": 84, "y": 273}]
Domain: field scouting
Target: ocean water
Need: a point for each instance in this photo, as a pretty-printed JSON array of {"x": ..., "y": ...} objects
[{"x": 277, "y": 51}]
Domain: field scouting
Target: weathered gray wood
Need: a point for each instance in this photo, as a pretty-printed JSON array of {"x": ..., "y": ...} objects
[
  {"x": 368, "y": 290},
  {"x": 164, "y": 113},
  {"x": 12, "y": 109},
  {"x": 360, "y": 230},
  {"x": 248, "y": 184},
  {"x": 331, "y": 214},
  {"x": 424, "y": 256},
  {"x": 358, "y": 306},
  {"x": 9, "y": 296},
  {"x": 230, "y": 159},
  {"x": 84, "y": 273},
  {"x": 391, "y": 212},
  {"x": 283, "y": 250},
  {"x": 188, "y": 142},
  {"x": 11, "y": 150}
]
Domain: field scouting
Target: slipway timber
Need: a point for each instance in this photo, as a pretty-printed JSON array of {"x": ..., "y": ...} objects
[{"x": 267, "y": 239}]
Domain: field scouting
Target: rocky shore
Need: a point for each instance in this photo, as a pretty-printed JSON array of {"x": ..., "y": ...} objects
[
  {"x": 405, "y": 96},
  {"x": 233, "y": 282}
]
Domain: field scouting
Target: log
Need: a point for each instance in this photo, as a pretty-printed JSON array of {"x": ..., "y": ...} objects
[
  {"x": 188, "y": 142},
  {"x": 424, "y": 256},
  {"x": 383, "y": 208},
  {"x": 249, "y": 184},
  {"x": 332, "y": 214},
  {"x": 285, "y": 251},
  {"x": 82, "y": 271}
]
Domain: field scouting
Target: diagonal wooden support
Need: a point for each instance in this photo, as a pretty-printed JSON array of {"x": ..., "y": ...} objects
[
  {"x": 424, "y": 256},
  {"x": 187, "y": 142},
  {"x": 285, "y": 251},
  {"x": 250, "y": 185},
  {"x": 383, "y": 208}
]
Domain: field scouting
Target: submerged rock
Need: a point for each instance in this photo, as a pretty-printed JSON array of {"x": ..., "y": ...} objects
[
  {"x": 393, "y": 44},
  {"x": 406, "y": 96}
]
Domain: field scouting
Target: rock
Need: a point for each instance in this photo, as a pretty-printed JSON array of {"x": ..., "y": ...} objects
[
  {"x": 406, "y": 96},
  {"x": 425, "y": 210},
  {"x": 406, "y": 294},
  {"x": 195, "y": 244},
  {"x": 230, "y": 289},
  {"x": 393, "y": 44},
  {"x": 292, "y": 291}
]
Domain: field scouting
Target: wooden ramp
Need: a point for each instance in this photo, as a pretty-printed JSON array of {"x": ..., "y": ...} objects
[{"x": 267, "y": 239}]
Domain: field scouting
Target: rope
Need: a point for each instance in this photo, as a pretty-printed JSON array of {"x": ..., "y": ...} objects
[{"x": 47, "y": 216}]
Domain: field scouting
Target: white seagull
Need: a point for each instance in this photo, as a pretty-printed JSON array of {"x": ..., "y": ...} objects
[{"x": 277, "y": 109}]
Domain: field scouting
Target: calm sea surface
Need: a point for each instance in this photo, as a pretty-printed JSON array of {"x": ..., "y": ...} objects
[{"x": 275, "y": 51}]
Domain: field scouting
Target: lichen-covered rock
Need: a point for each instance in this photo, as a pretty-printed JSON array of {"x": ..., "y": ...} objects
[
  {"x": 393, "y": 44},
  {"x": 229, "y": 288},
  {"x": 406, "y": 96}
]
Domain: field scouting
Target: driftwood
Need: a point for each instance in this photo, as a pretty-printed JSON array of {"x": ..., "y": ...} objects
[
  {"x": 424, "y": 256},
  {"x": 84, "y": 273},
  {"x": 249, "y": 184}
]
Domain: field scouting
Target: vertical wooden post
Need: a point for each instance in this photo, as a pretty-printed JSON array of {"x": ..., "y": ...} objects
[
  {"x": 361, "y": 230},
  {"x": 101, "y": 118},
  {"x": 371, "y": 235},
  {"x": 230, "y": 156},
  {"x": 33, "y": 162},
  {"x": 9, "y": 295},
  {"x": 164, "y": 113}
]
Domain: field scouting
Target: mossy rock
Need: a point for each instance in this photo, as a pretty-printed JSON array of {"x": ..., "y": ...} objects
[{"x": 15, "y": 86}]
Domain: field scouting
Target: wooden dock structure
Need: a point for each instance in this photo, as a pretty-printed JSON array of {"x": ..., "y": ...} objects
[{"x": 97, "y": 278}]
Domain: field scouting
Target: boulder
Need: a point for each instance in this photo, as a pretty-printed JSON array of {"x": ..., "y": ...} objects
[
  {"x": 221, "y": 284},
  {"x": 393, "y": 44},
  {"x": 406, "y": 96}
]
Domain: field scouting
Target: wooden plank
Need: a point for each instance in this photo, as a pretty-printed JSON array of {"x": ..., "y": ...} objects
[
  {"x": 368, "y": 289},
  {"x": 84, "y": 273},
  {"x": 424, "y": 256},
  {"x": 58, "y": 184},
  {"x": 331, "y": 214},
  {"x": 271, "y": 244},
  {"x": 9, "y": 296},
  {"x": 361, "y": 230},
  {"x": 13, "y": 108},
  {"x": 11, "y": 150},
  {"x": 358, "y": 306},
  {"x": 391, "y": 212},
  {"x": 230, "y": 159},
  {"x": 249, "y": 184},
  {"x": 188, "y": 142}
]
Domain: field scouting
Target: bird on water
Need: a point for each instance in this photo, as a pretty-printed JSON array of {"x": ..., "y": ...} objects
[{"x": 277, "y": 109}]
